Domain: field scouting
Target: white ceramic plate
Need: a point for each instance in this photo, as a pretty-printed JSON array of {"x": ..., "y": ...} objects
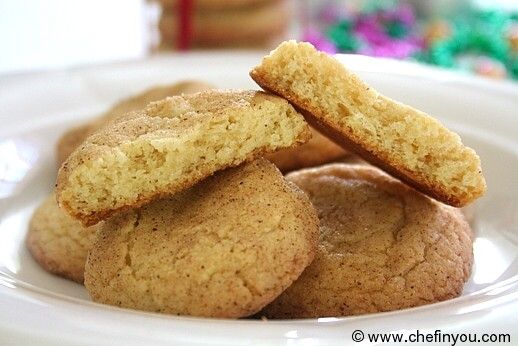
[{"x": 36, "y": 307}]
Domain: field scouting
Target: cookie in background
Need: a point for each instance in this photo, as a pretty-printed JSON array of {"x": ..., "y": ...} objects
[
  {"x": 223, "y": 24},
  {"x": 58, "y": 242},
  {"x": 317, "y": 151}
]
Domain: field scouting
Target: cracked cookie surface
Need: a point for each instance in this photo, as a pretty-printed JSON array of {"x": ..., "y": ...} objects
[
  {"x": 383, "y": 247},
  {"x": 224, "y": 248},
  {"x": 58, "y": 242}
]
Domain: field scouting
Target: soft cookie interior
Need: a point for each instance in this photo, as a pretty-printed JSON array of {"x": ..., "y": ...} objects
[
  {"x": 171, "y": 145},
  {"x": 402, "y": 140}
]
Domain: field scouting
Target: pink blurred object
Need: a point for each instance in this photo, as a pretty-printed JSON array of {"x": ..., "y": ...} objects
[{"x": 313, "y": 35}]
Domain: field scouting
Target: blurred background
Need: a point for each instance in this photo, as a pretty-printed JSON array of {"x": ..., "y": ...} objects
[{"x": 477, "y": 36}]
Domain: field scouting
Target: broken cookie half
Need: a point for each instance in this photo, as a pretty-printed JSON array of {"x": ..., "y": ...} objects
[{"x": 171, "y": 145}]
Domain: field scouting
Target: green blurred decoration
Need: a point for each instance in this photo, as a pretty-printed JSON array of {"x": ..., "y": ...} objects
[{"x": 476, "y": 40}]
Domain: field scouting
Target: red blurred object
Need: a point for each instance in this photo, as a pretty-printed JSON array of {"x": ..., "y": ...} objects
[{"x": 185, "y": 24}]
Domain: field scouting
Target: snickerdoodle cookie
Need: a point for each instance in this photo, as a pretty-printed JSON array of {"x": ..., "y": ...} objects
[
  {"x": 171, "y": 145},
  {"x": 226, "y": 247},
  {"x": 75, "y": 136},
  {"x": 383, "y": 246},
  {"x": 239, "y": 26},
  {"x": 207, "y": 5},
  {"x": 58, "y": 242},
  {"x": 317, "y": 151},
  {"x": 403, "y": 141}
]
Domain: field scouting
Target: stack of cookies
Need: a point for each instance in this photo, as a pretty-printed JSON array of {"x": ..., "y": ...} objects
[
  {"x": 188, "y": 24},
  {"x": 175, "y": 209}
]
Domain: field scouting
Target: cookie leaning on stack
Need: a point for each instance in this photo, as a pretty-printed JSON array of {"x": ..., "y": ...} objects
[{"x": 403, "y": 141}]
